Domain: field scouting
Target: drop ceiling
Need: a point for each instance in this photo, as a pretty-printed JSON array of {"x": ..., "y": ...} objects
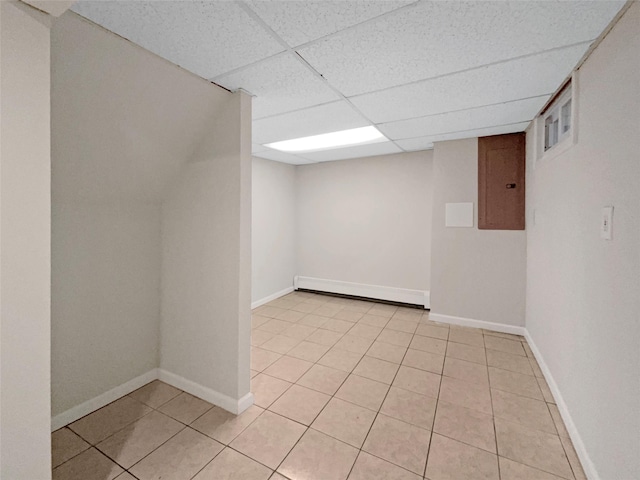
[{"x": 420, "y": 71}]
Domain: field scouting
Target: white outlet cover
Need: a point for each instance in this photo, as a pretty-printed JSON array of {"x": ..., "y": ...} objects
[
  {"x": 606, "y": 223},
  {"x": 458, "y": 215}
]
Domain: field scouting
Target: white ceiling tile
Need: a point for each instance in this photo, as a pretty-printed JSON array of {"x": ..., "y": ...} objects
[
  {"x": 527, "y": 77},
  {"x": 301, "y": 22},
  {"x": 404, "y": 54},
  {"x": 116, "y": 153},
  {"x": 280, "y": 84},
  {"x": 500, "y": 114},
  {"x": 206, "y": 38},
  {"x": 424, "y": 143},
  {"x": 370, "y": 150},
  {"x": 255, "y": 148},
  {"x": 283, "y": 157},
  {"x": 434, "y": 38},
  {"x": 331, "y": 117},
  {"x": 416, "y": 144}
]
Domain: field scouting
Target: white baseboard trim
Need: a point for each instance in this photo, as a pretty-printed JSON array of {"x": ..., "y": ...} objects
[
  {"x": 393, "y": 294},
  {"x": 587, "y": 464},
  {"x": 471, "y": 322},
  {"x": 270, "y": 298},
  {"x": 576, "y": 439},
  {"x": 208, "y": 394},
  {"x": 85, "y": 408},
  {"x": 244, "y": 403}
]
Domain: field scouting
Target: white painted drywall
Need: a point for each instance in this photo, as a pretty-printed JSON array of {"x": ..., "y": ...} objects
[
  {"x": 206, "y": 263},
  {"x": 126, "y": 120},
  {"x": 25, "y": 179},
  {"x": 366, "y": 220},
  {"x": 105, "y": 297},
  {"x": 582, "y": 290},
  {"x": 125, "y": 124},
  {"x": 273, "y": 249},
  {"x": 475, "y": 274}
]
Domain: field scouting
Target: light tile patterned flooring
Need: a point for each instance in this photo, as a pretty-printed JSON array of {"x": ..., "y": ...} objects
[{"x": 343, "y": 389}]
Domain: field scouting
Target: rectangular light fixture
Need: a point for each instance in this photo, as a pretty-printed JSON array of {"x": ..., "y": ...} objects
[{"x": 327, "y": 141}]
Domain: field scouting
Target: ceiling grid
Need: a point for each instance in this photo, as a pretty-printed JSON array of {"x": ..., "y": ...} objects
[
  {"x": 420, "y": 71},
  {"x": 317, "y": 74}
]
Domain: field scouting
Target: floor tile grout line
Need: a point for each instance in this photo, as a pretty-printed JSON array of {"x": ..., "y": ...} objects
[
  {"x": 486, "y": 366},
  {"x": 537, "y": 468},
  {"x": 333, "y": 396},
  {"x": 505, "y": 391},
  {"x": 114, "y": 432},
  {"x": 184, "y": 426},
  {"x": 319, "y": 413},
  {"x": 163, "y": 403},
  {"x": 516, "y": 394},
  {"x": 463, "y": 442},
  {"x": 348, "y": 374},
  {"x": 360, "y": 376},
  {"x": 523, "y": 341},
  {"x": 493, "y": 416},
  {"x": 92, "y": 445},
  {"x": 381, "y": 403},
  {"x": 228, "y": 445},
  {"x": 383, "y": 400},
  {"x": 76, "y": 455},
  {"x": 258, "y": 461},
  {"x": 68, "y": 425},
  {"x": 79, "y": 453},
  {"x": 216, "y": 456},
  {"x": 424, "y": 474},
  {"x": 377, "y": 412},
  {"x": 351, "y": 373},
  {"x": 152, "y": 451},
  {"x": 566, "y": 454}
]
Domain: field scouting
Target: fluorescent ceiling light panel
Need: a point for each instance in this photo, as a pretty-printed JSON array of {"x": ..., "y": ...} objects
[{"x": 327, "y": 141}]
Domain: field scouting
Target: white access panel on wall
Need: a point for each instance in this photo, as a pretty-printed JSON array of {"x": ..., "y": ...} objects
[{"x": 458, "y": 214}]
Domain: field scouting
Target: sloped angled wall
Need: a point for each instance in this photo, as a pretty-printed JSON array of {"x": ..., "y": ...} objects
[{"x": 125, "y": 125}]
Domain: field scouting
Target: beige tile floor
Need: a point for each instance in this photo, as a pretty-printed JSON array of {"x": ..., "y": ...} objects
[{"x": 343, "y": 389}]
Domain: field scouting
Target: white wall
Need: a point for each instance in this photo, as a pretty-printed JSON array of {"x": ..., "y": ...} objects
[
  {"x": 273, "y": 227},
  {"x": 475, "y": 274},
  {"x": 206, "y": 263},
  {"x": 366, "y": 220},
  {"x": 25, "y": 443},
  {"x": 582, "y": 291},
  {"x": 125, "y": 120},
  {"x": 124, "y": 125},
  {"x": 105, "y": 297}
]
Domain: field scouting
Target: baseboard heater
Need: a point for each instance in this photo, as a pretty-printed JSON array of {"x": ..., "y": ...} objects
[{"x": 392, "y": 295}]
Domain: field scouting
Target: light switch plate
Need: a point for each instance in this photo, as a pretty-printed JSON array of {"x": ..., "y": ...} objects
[
  {"x": 606, "y": 223},
  {"x": 458, "y": 215}
]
